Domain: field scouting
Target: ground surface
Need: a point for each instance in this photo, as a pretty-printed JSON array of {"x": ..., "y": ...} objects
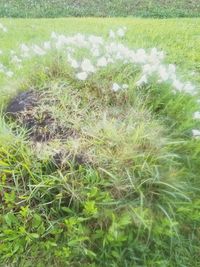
[
  {"x": 120, "y": 188},
  {"x": 63, "y": 8}
]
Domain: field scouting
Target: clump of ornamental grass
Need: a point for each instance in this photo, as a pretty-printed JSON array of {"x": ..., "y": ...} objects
[
  {"x": 111, "y": 130},
  {"x": 102, "y": 182},
  {"x": 98, "y": 162}
]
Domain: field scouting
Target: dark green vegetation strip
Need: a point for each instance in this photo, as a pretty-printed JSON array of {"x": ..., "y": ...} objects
[{"x": 100, "y": 8}]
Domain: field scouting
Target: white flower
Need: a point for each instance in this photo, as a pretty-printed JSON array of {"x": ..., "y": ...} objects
[
  {"x": 95, "y": 39},
  {"x": 177, "y": 85},
  {"x": 102, "y": 62},
  {"x": 111, "y": 34},
  {"x": 121, "y": 32},
  {"x": 95, "y": 52},
  {"x": 161, "y": 55},
  {"x": 24, "y": 48},
  {"x": 148, "y": 69},
  {"x": 143, "y": 80},
  {"x": 74, "y": 64},
  {"x": 70, "y": 50},
  {"x": 9, "y": 74},
  {"x": 38, "y": 51},
  {"x": 2, "y": 67},
  {"x": 163, "y": 74},
  {"x": 154, "y": 52},
  {"x": 104, "y": 53},
  {"x": 87, "y": 66},
  {"x": 3, "y": 28},
  {"x": 125, "y": 86},
  {"x": 16, "y": 60},
  {"x": 5, "y": 71},
  {"x": 196, "y": 115},
  {"x": 47, "y": 45},
  {"x": 140, "y": 56},
  {"x": 189, "y": 88},
  {"x": 110, "y": 60},
  {"x": 196, "y": 133},
  {"x": 80, "y": 40},
  {"x": 116, "y": 87},
  {"x": 59, "y": 44},
  {"x": 172, "y": 68},
  {"x": 82, "y": 76},
  {"x": 53, "y": 35}
]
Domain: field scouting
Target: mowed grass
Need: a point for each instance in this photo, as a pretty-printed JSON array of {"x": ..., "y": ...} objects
[
  {"x": 178, "y": 38},
  {"x": 112, "y": 8},
  {"x": 123, "y": 189}
]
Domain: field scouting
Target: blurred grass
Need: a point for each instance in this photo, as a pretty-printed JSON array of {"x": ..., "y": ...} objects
[{"x": 98, "y": 8}]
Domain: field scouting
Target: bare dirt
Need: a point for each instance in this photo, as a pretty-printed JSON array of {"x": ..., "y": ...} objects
[{"x": 41, "y": 126}]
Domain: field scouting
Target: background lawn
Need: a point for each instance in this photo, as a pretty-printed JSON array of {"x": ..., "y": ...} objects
[
  {"x": 178, "y": 38},
  {"x": 100, "y": 8}
]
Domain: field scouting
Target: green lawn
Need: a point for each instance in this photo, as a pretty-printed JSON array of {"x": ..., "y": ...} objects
[
  {"x": 178, "y": 38},
  {"x": 127, "y": 193},
  {"x": 111, "y": 8}
]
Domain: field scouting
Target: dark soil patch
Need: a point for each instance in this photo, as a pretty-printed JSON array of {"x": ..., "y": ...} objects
[
  {"x": 24, "y": 101},
  {"x": 25, "y": 110},
  {"x": 60, "y": 159},
  {"x": 41, "y": 125}
]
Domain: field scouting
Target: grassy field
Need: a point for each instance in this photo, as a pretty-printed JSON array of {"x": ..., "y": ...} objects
[
  {"x": 178, "y": 38},
  {"x": 123, "y": 190},
  {"x": 83, "y": 8}
]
